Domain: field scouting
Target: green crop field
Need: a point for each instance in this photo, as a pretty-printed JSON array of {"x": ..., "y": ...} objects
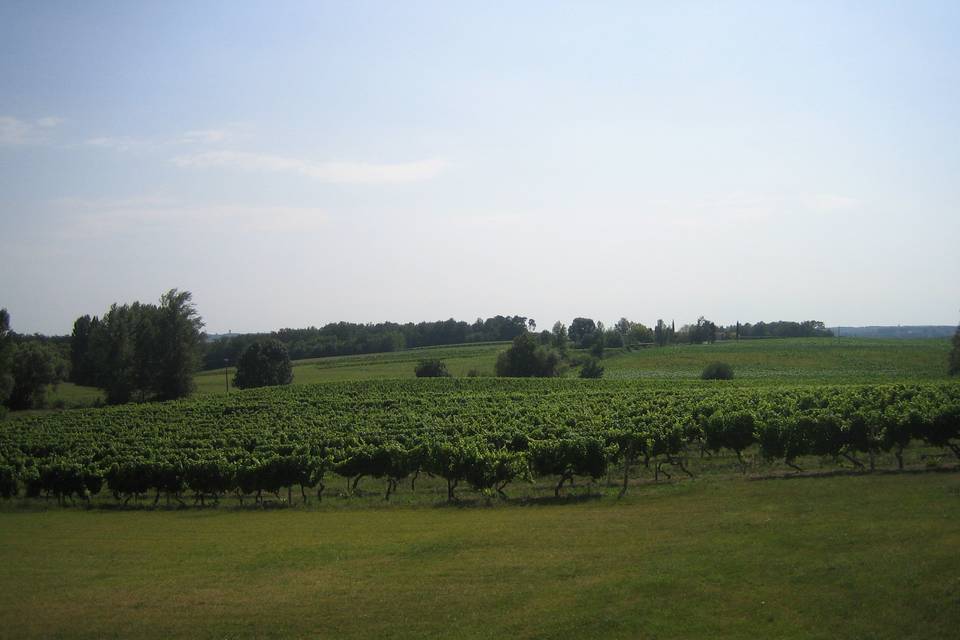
[
  {"x": 773, "y": 361},
  {"x": 460, "y": 360},
  {"x": 792, "y": 360},
  {"x": 755, "y": 362},
  {"x": 817, "y": 495}
]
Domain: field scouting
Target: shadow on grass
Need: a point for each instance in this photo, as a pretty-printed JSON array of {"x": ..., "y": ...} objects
[
  {"x": 473, "y": 502},
  {"x": 833, "y": 473}
]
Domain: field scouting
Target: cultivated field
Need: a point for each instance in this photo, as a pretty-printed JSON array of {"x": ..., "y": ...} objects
[
  {"x": 750, "y": 509},
  {"x": 773, "y": 361}
]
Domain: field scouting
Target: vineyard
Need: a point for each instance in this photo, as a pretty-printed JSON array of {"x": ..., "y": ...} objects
[{"x": 477, "y": 435}]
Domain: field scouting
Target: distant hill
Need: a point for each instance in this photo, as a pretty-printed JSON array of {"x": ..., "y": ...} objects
[{"x": 901, "y": 331}]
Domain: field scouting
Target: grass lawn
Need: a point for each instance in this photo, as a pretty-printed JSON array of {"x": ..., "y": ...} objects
[{"x": 868, "y": 556}]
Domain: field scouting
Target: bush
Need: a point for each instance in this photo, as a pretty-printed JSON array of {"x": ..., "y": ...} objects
[
  {"x": 717, "y": 371},
  {"x": 264, "y": 363},
  {"x": 432, "y": 369},
  {"x": 591, "y": 369},
  {"x": 526, "y": 358}
]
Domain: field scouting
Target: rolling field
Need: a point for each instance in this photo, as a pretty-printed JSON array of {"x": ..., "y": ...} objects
[
  {"x": 872, "y": 556},
  {"x": 460, "y": 360},
  {"x": 755, "y": 362},
  {"x": 792, "y": 360},
  {"x": 832, "y": 551}
]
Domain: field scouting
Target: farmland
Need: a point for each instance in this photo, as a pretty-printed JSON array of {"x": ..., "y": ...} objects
[
  {"x": 649, "y": 503},
  {"x": 795, "y": 361}
]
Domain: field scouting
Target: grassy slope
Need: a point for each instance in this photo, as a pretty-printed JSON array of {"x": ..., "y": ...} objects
[
  {"x": 460, "y": 359},
  {"x": 825, "y": 361},
  {"x": 754, "y": 362},
  {"x": 867, "y": 556}
]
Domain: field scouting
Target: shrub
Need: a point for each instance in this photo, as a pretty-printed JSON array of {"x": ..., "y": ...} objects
[
  {"x": 526, "y": 358},
  {"x": 432, "y": 369},
  {"x": 264, "y": 363},
  {"x": 717, "y": 371},
  {"x": 592, "y": 369}
]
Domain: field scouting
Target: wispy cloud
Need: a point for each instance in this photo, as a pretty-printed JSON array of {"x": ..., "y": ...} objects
[
  {"x": 334, "y": 172},
  {"x": 106, "y": 216},
  {"x": 207, "y": 136},
  {"x": 120, "y": 143},
  {"x": 153, "y": 144},
  {"x": 14, "y": 131}
]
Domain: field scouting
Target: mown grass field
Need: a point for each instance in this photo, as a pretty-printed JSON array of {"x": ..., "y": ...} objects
[{"x": 870, "y": 556}]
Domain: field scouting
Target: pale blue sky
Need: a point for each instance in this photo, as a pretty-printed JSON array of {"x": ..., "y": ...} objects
[{"x": 295, "y": 164}]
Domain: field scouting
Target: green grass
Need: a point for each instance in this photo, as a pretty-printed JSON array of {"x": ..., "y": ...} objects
[
  {"x": 869, "y": 556},
  {"x": 460, "y": 360},
  {"x": 755, "y": 362},
  {"x": 818, "y": 360}
]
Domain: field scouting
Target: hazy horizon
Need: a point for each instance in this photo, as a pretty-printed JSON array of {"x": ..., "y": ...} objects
[{"x": 297, "y": 164}]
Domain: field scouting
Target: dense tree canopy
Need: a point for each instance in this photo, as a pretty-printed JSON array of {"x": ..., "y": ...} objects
[
  {"x": 140, "y": 351},
  {"x": 583, "y": 332},
  {"x": 82, "y": 368},
  {"x": 348, "y": 338},
  {"x": 264, "y": 363},
  {"x": 526, "y": 358},
  {"x": 35, "y": 366},
  {"x": 6, "y": 357}
]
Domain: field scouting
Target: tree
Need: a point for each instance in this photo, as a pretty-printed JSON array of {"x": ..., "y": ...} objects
[
  {"x": 6, "y": 363},
  {"x": 525, "y": 359},
  {"x": 112, "y": 351},
  {"x": 140, "y": 351},
  {"x": 82, "y": 369},
  {"x": 704, "y": 331},
  {"x": 660, "y": 333},
  {"x": 954, "y": 367},
  {"x": 582, "y": 332},
  {"x": 639, "y": 334},
  {"x": 431, "y": 369},
  {"x": 35, "y": 366},
  {"x": 264, "y": 363},
  {"x": 560, "y": 337},
  {"x": 178, "y": 334}
]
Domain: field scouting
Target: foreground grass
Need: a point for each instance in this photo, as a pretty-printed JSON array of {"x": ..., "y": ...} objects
[{"x": 868, "y": 556}]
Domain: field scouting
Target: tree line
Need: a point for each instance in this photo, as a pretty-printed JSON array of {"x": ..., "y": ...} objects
[
  {"x": 350, "y": 338},
  {"x": 139, "y": 351}
]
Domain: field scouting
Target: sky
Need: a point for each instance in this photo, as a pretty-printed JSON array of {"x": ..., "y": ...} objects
[{"x": 293, "y": 164}]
